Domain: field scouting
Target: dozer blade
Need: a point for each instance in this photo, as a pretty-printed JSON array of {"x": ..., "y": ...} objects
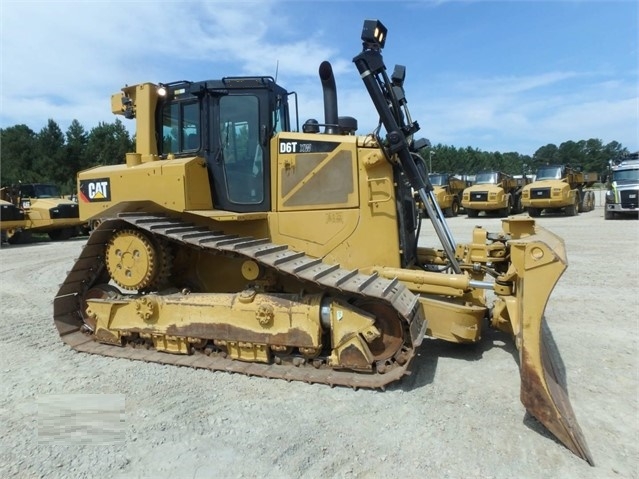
[{"x": 539, "y": 260}]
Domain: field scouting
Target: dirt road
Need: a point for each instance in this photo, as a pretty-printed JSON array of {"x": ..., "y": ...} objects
[{"x": 457, "y": 416}]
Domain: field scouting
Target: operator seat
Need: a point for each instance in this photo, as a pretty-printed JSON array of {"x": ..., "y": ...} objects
[{"x": 193, "y": 141}]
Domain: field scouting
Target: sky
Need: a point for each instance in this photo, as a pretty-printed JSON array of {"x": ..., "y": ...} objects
[{"x": 508, "y": 76}]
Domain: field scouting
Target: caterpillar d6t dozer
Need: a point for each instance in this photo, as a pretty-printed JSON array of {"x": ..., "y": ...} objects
[{"x": 231, "y": 241}]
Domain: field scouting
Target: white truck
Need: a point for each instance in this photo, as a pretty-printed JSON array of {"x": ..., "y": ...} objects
[{"x": 622, "y": 196}]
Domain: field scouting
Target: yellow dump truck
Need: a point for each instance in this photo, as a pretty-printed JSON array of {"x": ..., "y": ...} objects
[
  {"x": 45, "y": 211},
  {"x": 494, "y": 192},
  {"x": 559, "y": 188},
  {"x": 12, "y": 218},
  {"x": 447, "y": 189}
]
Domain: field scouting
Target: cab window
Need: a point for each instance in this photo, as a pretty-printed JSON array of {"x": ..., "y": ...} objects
[{"x": 180, "y": 127}]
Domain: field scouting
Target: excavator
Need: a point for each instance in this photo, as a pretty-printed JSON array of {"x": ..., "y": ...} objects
[{"x": 232, "y": 241}]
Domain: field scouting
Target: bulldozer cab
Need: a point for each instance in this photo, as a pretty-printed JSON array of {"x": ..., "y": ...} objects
[{"x": 228, "y": 122}]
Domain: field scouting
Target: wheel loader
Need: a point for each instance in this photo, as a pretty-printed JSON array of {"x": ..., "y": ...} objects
[{"x": 231, "y": 241}]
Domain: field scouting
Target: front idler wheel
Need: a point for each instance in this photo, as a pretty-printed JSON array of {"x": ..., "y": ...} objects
[
  {"x": 389, "y": 325},
  {"x": 100, "y": 291}
]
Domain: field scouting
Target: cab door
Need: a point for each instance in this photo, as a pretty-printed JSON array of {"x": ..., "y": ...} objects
[{"x": 237, "y": 156}]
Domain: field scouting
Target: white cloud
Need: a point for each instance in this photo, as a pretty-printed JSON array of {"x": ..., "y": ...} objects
[
  {"x": 63, "y": 60},
  {"x": 524, "y": 113}
]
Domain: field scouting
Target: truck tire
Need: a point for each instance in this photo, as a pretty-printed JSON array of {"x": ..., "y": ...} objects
[
  {"x": 518, "y": 208},
  {"x": 573, "y": 209},
  {"x": 455, "y": 208},
  {"x": 61, "y": 234},
  {"x": 534, "y": 212},
  {"x": 583, "y": 202},
  {"x": 591, "y": 201},
  {"x": 472, "y": 213},
  {"x": 609, "y": 215},
  {"x": 20, "y": 237},
  {"x": 93, "y": 224},
  {"x": 509, "y": 209}
]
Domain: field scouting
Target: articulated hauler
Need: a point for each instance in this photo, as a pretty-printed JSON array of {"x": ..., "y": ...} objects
[
  {"x": 494, "y": 192},
  {"x": 447, "y": 190},
  {"x": 559, "y": 189}
]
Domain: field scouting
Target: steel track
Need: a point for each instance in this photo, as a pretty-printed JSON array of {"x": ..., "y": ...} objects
[{"x": 89, "y": 269}]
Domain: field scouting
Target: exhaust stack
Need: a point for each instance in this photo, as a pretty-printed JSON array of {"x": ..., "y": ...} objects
[{"x": 330, "y": 98}]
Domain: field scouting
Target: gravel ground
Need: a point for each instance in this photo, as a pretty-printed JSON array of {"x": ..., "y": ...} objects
[{"x": 457, "y": 416}]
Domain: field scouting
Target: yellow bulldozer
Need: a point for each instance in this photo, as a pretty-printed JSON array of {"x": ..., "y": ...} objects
[{"x": 229, "y": 240}]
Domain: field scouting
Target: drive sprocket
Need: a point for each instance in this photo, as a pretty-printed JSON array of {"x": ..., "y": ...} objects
[{"x": 135, "y": 261}]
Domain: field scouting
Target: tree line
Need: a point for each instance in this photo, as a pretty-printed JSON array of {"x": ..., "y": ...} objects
[
  {"x": 55, "y": 157},
  {"x": 52, "y": 156}
]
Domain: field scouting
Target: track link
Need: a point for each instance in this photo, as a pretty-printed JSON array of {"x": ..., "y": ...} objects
[{"x": 89, "y": 269}]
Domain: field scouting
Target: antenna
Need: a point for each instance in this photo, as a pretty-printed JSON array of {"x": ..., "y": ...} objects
[{"x": 277, "y": 69}]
